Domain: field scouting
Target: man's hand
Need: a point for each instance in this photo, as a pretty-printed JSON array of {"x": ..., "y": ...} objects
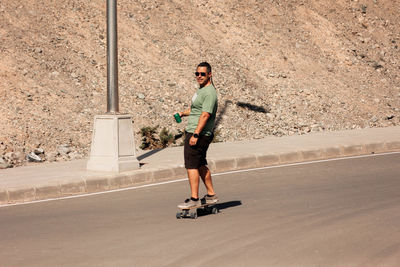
[
  {"x": 193, "y": 141},
  {"x": 200, "y": 126},
  {"x": 184, "y": 113}
]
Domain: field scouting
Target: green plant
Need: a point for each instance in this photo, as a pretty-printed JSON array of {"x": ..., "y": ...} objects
[
  {"x": 166, "y": 138},
  {"x": 149, "y": 141}
]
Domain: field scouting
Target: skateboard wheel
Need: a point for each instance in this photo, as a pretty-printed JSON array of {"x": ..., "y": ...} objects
[
  {"x": 193, "y": 215},
  {"x": 214, "y": 210},
  {"x": 179, "y": 215}
]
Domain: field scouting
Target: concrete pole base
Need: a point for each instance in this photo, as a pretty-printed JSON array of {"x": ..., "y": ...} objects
[{"x": 113, "y": 145}]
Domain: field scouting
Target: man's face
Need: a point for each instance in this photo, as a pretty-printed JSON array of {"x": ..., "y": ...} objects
[{"x": 202, "y": 76}]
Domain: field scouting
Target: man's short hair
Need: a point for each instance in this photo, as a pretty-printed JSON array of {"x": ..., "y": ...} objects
[{"x": 205, "y": 64}]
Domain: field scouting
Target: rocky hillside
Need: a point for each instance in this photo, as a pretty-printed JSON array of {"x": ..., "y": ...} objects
[{"x": 281, "y": 68}]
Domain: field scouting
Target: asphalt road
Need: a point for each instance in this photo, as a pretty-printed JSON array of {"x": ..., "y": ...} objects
[{"x": 336, "y": 213}]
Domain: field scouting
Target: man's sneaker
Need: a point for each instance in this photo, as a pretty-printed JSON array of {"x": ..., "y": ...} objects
[
  {"x": 189, "y": 203},
  {"x": 209, "y": 199}
]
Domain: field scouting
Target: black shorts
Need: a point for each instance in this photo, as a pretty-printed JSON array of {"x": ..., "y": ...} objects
[{"x": 195, "y": 156}]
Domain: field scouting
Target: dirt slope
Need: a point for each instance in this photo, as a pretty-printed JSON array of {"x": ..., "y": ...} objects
[{"x": 280, "y": 67}]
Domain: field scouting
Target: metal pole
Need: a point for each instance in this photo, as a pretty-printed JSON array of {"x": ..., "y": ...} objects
[{"x": 112, "y": 58}]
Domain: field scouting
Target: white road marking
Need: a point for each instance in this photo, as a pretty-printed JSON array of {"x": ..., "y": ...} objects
[{"x": 185, "y": 179}]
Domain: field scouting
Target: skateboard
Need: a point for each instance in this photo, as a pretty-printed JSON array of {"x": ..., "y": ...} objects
[{"x": 192, "y": 211}]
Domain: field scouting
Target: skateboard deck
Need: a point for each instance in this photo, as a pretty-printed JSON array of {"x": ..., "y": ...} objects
[{"x": 192, "y": 212}]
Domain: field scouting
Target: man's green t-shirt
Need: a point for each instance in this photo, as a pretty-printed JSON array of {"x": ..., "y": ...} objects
[{"x": 205, "y": 99}]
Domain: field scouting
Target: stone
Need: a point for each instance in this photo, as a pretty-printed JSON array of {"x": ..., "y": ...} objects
[
  {"x": 32, "y": 157},
  {"x": 10, "y": 156},
  {"x": 270, "y": 116},
  {"x": 63, "y": 149},
  {"x": 74, "y": 155},
  {"x": 38, "y": 50},
  {"x": 374, "y": 119},
  {"x": 52, "y": 156},
  {"x": 38, "y": 151},
  {"x": 5, "y": 166},
  {"x": 316, "y": 127},
  {"x": 390, "y": 117},
  {"x": 363, "y": 9}
]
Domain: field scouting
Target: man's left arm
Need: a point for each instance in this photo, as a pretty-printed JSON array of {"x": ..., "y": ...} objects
[{"x": 200, "y": 126}]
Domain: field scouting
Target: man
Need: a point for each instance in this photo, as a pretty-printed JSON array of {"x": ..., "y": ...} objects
[{"x": 199, "y": 134}]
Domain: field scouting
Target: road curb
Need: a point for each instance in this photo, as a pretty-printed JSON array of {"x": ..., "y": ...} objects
[
  {"x": 21, "y": 194},
  {"x": 93, "y": 183},
  {"x": 393, "y": 146},
  {"x": 3, "y": 196}
]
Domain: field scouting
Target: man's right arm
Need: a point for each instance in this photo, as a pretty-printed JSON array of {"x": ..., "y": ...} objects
[{"x": 185, "y": 113}]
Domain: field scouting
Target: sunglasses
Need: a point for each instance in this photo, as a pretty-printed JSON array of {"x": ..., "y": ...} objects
[{"x": 200, "y": 73}]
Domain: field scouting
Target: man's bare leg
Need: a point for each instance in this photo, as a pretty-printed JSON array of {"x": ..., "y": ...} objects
[
  {"x": 206, "y": 177},
  {"x": 194, "y": 180}
]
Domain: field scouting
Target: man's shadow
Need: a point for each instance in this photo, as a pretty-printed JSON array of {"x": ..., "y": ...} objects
[
  {"x": 221, "y": 206},
  {"x": 229, "y": 204}
]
